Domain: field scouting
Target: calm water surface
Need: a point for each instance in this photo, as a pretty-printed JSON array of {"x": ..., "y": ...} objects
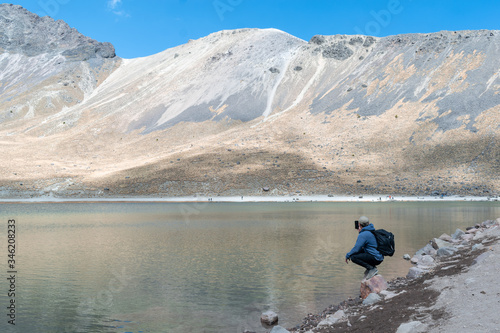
[{"x": 171, "y": 267}]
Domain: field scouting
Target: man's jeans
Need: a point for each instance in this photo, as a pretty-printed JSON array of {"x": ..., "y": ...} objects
[{"x": 365, "y": 259}]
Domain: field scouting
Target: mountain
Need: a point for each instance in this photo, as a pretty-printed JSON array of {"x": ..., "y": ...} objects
[{"x": 237, "y": 111}]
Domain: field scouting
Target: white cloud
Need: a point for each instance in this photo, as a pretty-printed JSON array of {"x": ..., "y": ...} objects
[
  {"x": 115, "y": 7},
  {"x": 112, "y": 4}
]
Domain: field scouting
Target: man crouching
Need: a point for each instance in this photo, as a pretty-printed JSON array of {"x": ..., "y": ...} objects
[{"x": 364, "y": 252}]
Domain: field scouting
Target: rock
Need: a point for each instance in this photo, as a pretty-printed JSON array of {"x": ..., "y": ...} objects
[
  {"x": 428, "y": 249},
  {"x": 471, "y": 231},
  {"x": 414, "y": 272},
  {"x": 337, "y": 51},
  {"x": 389, "y": 294},
  {"x": 493, "y": 232},
  {"x": 426, "y": 261},
  {"x": 340, "y": 314},
  {"x": 481, "y": 258},
  {"x": 412, "y": 327},
  {"x": 446, "y": 251},
  {"x": 439, "y": 243},
  {"x": 279, "y": 329},
  {"x": 369, "y": 41},
  {"x": 317, "y": 39},
  {"x": 487, "y": 224},
  {"x": 416, "y": 258},
  {"x": 26, "y": 33},
  {"x": 329, "y": 321},
  {"x": 374, "y": 285},
  {"x": 477, "y": 247},
  {"x": 371, "y": 299},
  {"x": 332, "y": 319},
  {"x": 478, "y": 236},
  {"x": 467, "y": 237},
  {"x": 406, "y": 257},
  {"x": 445, "y": 237},
  {"x": 457, "y": 234},
  {"x": 269, "y": 318}
]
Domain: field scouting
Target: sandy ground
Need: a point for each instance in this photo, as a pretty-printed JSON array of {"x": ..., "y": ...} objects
[{"x": 472, "y": 299}]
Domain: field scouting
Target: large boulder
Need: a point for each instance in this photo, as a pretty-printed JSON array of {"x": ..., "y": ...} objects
[{"x": 374, "y": 285}]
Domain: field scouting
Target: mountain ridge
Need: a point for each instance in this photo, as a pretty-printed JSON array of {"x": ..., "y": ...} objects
[{"x": 239, "y": 110}]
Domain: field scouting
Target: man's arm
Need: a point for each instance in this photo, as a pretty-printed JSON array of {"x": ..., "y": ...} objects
[{"x": 360, "y": 242}]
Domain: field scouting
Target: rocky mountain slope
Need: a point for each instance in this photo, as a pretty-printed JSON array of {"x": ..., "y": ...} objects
[{"x": 240, "y": 110}]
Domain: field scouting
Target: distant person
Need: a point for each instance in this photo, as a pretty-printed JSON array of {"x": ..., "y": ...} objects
[{"x": 364, "y": 252}]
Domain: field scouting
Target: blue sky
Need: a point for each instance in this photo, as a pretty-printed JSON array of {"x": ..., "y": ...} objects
[{"x": 143, "y": 27}]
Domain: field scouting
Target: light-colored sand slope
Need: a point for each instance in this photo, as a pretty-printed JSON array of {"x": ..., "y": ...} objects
[{"x": 239, "y": 110}]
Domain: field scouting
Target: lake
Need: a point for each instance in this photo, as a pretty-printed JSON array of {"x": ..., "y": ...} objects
[{"x": 199, "y": 267}]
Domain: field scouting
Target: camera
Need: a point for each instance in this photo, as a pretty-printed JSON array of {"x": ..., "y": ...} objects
[{"x": 356, "y": 225}]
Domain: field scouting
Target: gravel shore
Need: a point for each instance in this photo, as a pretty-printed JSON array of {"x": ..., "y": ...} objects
[{"x": 459, "y": 293}]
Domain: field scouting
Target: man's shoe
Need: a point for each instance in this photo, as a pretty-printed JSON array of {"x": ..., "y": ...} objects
[
  {"x": 371, "y": 274},
  {"x": 366, "y": 272}
]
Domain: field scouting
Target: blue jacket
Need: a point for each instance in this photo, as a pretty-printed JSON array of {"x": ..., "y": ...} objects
[{"x": 366, "y": 242}]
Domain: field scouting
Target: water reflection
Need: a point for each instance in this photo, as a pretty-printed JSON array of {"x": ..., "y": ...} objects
[{"x": 163, "y": 267}]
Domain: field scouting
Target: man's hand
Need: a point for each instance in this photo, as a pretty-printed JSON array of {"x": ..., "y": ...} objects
[{"x": 347, "y": 260}]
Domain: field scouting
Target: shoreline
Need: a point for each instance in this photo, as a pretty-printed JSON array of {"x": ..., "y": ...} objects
[
  {"x": 252, "y": 199},
  {"x": 441, "y": 298}
]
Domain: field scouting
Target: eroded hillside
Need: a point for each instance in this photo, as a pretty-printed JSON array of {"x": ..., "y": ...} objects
[{"x": 240, "y": 110}]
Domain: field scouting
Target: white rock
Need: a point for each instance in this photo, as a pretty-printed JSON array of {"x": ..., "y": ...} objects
[
  {"x": 427, "y": 260},
  {"x": 329, "y": 321},
  {"x": 458, "y": 233},
  {"x": 439, "y": 243},
  {"x": 446, "y": 251},
  {"x": 372, "y": 299},
  {"x": 414, "y": 272},
  {"x": 416, "y": 258},
  {"x": 340, "y": 314},
  {"x": 479, "y": 235},
  {"x": 412, "y": 327},
  {"x": 389, "y": 294},
  {"x": 428, "y": 249},
  {"x": 467, "y": 237},
  {"x": 279, "y": 329},
  {"x": 269, "y": 318},
  {"x": 477, "y": 247}
]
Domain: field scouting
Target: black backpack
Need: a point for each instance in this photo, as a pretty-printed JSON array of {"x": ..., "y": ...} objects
[{"x": 385, "y": 242}]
